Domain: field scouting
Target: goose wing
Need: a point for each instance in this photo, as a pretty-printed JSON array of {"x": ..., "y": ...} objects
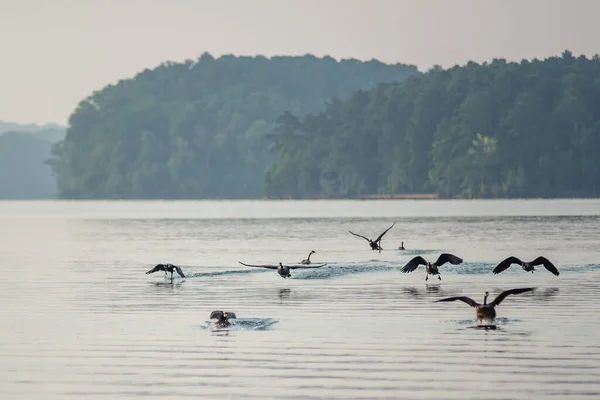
[
  {"x": 547, "y": 264},
  {"x": 384, "y": 232},
  {"x": 179, "y": 271},
  {"x": 231, "y": 315},
  {"x": 447, "y": 257},
  {"x": 260, "y": 266},
  {"x": 217, "y": 314},
  {"x": 360, "y": 236},
  {"x": 504, "y": 264},
  {"x": 464, "y": 299},
  {"x": 158, "y": 267},
  {"x": 503, "y": 295},
  {"x": 413, "y": 264},
  {"x": 306, "y": 266}
]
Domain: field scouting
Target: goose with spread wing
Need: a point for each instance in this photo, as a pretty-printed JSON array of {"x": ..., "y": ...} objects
[
  {"x": 527, "y": 266},
  {"x": 486, "y": 312},
  {"x": 307, "y": 260},
  {"x": 375, "y": 244},
  {"x": 283, "y": 270},
  {"x": 222, "y": 318},
  {"x": 431, "y": 269},
  {"x": 167, "y": 268}
]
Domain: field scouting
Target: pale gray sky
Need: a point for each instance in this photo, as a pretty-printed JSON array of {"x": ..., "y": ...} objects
[{"x": 54, "y": 53}]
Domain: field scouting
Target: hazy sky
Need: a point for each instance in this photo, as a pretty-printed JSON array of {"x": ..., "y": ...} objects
[{"x": 54, "y": 53}]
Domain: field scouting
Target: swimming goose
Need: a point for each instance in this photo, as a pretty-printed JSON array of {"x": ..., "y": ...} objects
[
  {"x": 527, "y": 266},
  {"x": 401, "y": 246},
  {"x": 307, "y": 261},
  {"x": 375, "y": 244},
  {"x": 431, "y": 269},
  {"x": 222, "y": 318},
  {"x": 486, "y": 311},
  {"x": 283, "y": 270},
  {"x": 167, "y": 268}
]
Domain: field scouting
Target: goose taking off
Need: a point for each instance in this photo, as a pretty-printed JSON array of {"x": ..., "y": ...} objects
[
  {"x": 527, "y": 266},
  {"x": 307, "y": 261},
  {"x": 283, "y": 270},
  {"x": 375, "y": 244},
  {"x": 486, "y": 312},
  {"x": 431, "y": 269},
  {"x": 222, "y": 318},
  {"x": 167, "y": 268}
]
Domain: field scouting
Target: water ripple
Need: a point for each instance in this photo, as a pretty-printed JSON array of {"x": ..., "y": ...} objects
[{"x": 81, "y": 319}]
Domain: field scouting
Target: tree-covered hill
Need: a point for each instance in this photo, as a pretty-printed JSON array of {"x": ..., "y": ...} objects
[
  {"x": 197, "y": 129},
  {"x": 49, "y": 132},
  {"x": 528, "y": 129},
  {"x": 24, "y": 148},
  {"x": 23, "y": 173}
]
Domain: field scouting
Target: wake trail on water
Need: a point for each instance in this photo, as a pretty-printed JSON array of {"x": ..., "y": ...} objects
[
  {"x": 339, "y": 269},
  {"x": 242, "y": 324}
]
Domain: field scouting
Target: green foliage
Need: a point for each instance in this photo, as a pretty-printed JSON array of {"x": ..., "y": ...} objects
[
  {"x": 198, "y": 129},
  {"x": 501, "y": 129}
]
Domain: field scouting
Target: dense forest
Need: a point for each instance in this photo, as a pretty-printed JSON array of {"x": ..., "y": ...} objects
[
  {"x": 24, "y": 150},
  {"x": 198, "y": 129},
  {"x": 503, "y": 129}
]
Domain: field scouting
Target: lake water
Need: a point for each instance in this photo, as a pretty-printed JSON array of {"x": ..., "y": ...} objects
[{"x": 79, "y": 317}]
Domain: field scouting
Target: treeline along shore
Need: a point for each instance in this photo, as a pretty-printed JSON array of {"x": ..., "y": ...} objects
[{"x": 308, "y": 127}]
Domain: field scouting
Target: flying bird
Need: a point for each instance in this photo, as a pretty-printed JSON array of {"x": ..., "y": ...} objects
[
  {"x": 283, "y": 270},
  {"x": 431, "y": 269},
  {"x": 486, "y": 312},
  {"x": 375, "y": 244},
  {"x": 307, "y": 261},
  {"x": 167, "y": 268},
  {"x": 222, "y": 318},
  {"x": 527, "y": 266}
]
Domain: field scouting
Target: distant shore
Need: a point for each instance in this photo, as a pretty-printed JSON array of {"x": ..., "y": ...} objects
[
  {"x": 410, "y": 196},
  {"x": 414, "y": 196}
]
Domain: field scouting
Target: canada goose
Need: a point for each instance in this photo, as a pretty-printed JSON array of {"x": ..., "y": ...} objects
[
  {"x": 307, "y": 261},
  {"x": 167, "y": 268},
  {"x": 222, "y": 318},
  {"x": 283, "y": 270},
  {"x": 486, "y": 311},
  {"x": 527, "y": 266},
  {"x": 375, "y": 244},
  {"x": 401, "y": 246},
  {"x": 431, "y": 269}
]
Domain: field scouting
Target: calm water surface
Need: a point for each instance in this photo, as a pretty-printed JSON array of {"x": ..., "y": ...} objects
[{"x": 80, "y": 319}]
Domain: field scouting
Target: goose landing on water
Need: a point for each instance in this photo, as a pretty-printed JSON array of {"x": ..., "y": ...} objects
[
  {"x": 527, "y": 266},
  {"x": 431, "y": 269},
  {"x": 307, "y": 261},
  {"x": 283, "y": 270},
  {"x": 222, "y": 318},
  {"x": 167, "y": 268},
  {"x": 375, "y": 244},
  {"x": 486, "y": 312}
]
